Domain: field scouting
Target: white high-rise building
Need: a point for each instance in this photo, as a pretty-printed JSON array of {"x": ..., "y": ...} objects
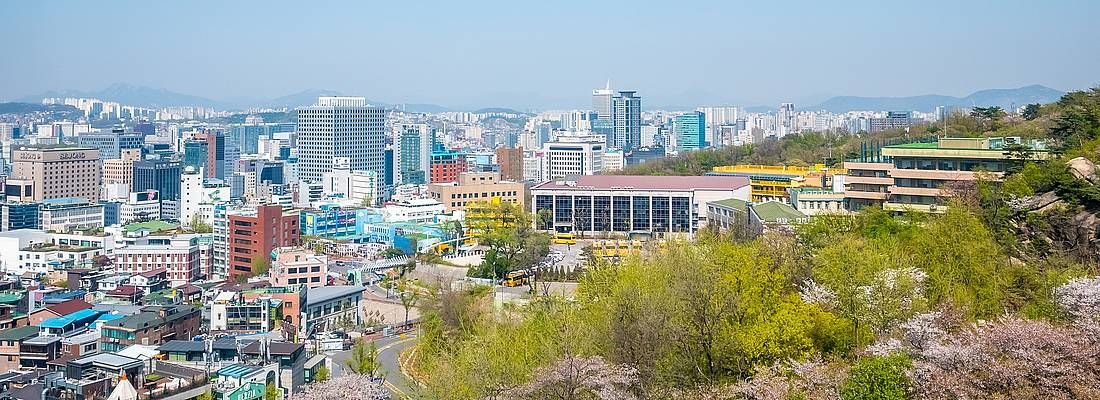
[
  {"x": 358, "y": 186},
  {"x": 341, "y": 127},
  {"x": 572, "y": 155}
]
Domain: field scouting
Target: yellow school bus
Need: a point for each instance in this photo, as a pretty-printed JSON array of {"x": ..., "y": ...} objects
[{"x": 564, "y": 238}]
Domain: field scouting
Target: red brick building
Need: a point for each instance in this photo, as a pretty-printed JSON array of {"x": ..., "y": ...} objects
[
  {"x": 446, "y": 166},
  {"x": 253, "y": 235}
]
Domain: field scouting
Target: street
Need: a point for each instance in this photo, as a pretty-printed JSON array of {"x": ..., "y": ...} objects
[{"x": 389, "y": 350}]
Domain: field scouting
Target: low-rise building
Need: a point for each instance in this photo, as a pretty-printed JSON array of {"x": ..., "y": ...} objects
[
  {"x": 296, "y": 266},
  {"x": 623, "y": 204},
  {"x": 180, "y": 256},
  {"x": 69, "y": 214},
  {"x": 153, "y": 326},
  {"x": 477, "y": 186},
  {"x": 331, "y": 307}
]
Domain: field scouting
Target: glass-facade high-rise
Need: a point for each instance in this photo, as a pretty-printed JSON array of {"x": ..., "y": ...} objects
[
  {"x": 195, "y": 155},
  {"x": 160, "y": 175},
  {"x": 414, "y": 150},
  {"x": 690, "y": 131}
]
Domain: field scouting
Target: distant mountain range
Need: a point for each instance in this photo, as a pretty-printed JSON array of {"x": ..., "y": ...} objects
[
  {"x": 1005, "y": 98},
  {"x": 156, "y": 98}
]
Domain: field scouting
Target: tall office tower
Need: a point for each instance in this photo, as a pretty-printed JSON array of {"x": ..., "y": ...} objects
[
  {"x": 414, "y": 153},
  {"x": 54, "y": 173},
  {"x": 118, "y": 173},
  {"x": 572, "y": 155},
  {"x": 626, "y": 110},
  {"x": 601, "y": 102},
  {"x": 691, "y": 131},
  {"x": 340, "y": 127},
  {"x": 785, "y": 118},
  {"x": 196, "y": 153},
  {"x": 160, "y": 175},
  {"x": 650, "y": 135}
]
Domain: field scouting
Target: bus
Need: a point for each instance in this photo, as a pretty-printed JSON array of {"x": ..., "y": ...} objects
[
  {"x": 516, "y": 278},
  {"x": 564, "y": 238}
]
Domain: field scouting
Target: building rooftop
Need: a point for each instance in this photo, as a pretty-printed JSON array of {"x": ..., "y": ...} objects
[
  {"x": 110, "y": 360},
  {"x": 774, "y": 211},
  {"x": 85, "y": 316},
  {"x": 69, "y": 307},
  {"x": 20, "y": 333},
  {"x": 236, "y": 371},
  {"x": 182, "y": 346},
  {"x": 152, "y": 226},
  {"x": 634, "y": 182},
  {"x": 274, "y": 348},
  {"x": 150, "y": 316},
  {"x": 326, "y": 293},
  {"x": 736, "y": 204}
]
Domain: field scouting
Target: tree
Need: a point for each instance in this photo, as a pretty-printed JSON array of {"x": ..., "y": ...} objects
[
  {"x": 408, "y": 298},
  {"x": 546, "y": 219},
  {"x": 513, "y": 244},
  {"x": 207, "y": 395},
  {"x": 1031, "y": 111},
  {"x": 574, "y": 378},
  {"x": 364, "y": 359},
  {"x": 322, "y": 374},
  {"x": 198, "y": 225},
  {"x": 878, "y": 378},
  {"x": 347, "y": 387},
  {"x": 272, "y": 392},
  {"x": 260, "y": 265}
]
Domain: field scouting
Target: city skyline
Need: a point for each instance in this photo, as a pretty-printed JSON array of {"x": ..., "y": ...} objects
[{"x": 451, "y": 56}]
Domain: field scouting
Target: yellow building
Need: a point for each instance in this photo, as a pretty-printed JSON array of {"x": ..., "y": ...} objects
[{"x": 772, "y": 182}]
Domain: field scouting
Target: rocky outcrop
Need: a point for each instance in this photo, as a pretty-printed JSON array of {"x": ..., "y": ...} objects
[{"x": 1083, "y": 169}]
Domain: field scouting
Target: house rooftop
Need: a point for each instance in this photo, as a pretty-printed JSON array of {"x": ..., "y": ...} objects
[
  {"x": 69, "y": 307},
  {"x": 326, "y": 293},
  {"x": 736, "y": 204},
  {"x": 20, "y": 333},
  {"x": 182, "y": 346},
  {"x": 635, "y": 182}
]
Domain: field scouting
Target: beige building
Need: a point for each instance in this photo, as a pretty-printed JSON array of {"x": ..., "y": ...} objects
[
  {"x": 57, "y": 173},
  {"x": 476, "y": 186},
  {"x": 120, "y": 171}
]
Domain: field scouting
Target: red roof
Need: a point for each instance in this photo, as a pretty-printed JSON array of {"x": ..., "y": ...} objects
[
  {"x": 69, "y": 307},
  {"x": 124, "y": 291},
  {"x": 153, "y": 272},
  {"x": 588, "y": 182}
]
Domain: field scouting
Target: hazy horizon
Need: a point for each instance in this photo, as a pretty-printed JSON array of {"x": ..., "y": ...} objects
[{"x": 549, "y": 55}]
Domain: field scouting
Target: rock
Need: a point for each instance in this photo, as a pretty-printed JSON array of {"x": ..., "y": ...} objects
[
  {"x": 1082, "y": 168},
  {"x": 1032, "y": 203}
]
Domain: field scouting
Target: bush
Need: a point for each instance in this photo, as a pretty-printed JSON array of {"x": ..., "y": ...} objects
[{"x": 878, "y": 378}]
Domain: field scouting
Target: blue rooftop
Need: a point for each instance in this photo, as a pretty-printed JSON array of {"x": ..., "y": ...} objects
[
  {"x": 235, "y": 371},
  {"x": 67, "y": 201},
  {"x": 82, "y": 317}
]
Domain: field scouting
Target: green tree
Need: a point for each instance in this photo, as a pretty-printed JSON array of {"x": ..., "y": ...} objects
[
  {"x": 1031, "y": 111},
  {"x": 260, "y": 265},
  {"x": 322, "y": 374},
  {"x": 198, "y": 225},
  {"x": 545, "y": 218},
  {"x": 272, "y": 392},
  {"x": 364, "y": 359},
  {"x": 878, "y": 378},
  {"x": 207, "y": 395}
]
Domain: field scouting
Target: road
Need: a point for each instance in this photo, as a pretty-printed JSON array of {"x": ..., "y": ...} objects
[{"x": 389, "y": 350}]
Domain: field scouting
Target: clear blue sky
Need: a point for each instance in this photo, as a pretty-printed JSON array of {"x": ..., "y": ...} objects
[{"x": 550, "y": 53}]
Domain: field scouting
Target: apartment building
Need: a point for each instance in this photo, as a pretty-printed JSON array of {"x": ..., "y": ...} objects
[{"x": 477, "y": 186}]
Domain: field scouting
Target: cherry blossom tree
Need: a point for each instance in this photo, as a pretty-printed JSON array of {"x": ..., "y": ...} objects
[
  {"x": 347, "y": 387},
  {"x": 580, "y": 378}
]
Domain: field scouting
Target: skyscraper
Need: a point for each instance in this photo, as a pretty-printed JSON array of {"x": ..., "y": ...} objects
[
  {"x": 414, "y": 153},
  {"x": 691, "y": 130},
  {"x": 785, "y": 118},
  {"x": 340, "y": 127},
  {"x": 601, "y": 102},
  {"x": 626, "y": 117}
]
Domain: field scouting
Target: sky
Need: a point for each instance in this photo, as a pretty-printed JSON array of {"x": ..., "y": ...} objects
[{"x": 550, "y": 54}]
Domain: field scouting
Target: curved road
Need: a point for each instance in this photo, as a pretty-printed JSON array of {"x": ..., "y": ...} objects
[{"x": 389, "y": 349}]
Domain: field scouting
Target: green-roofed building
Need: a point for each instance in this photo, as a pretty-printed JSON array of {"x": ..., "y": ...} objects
[
  {"x": 11, "y": 343},
  {"x": 748, "y": 220},
  {"x": 150, "y": 226}
]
